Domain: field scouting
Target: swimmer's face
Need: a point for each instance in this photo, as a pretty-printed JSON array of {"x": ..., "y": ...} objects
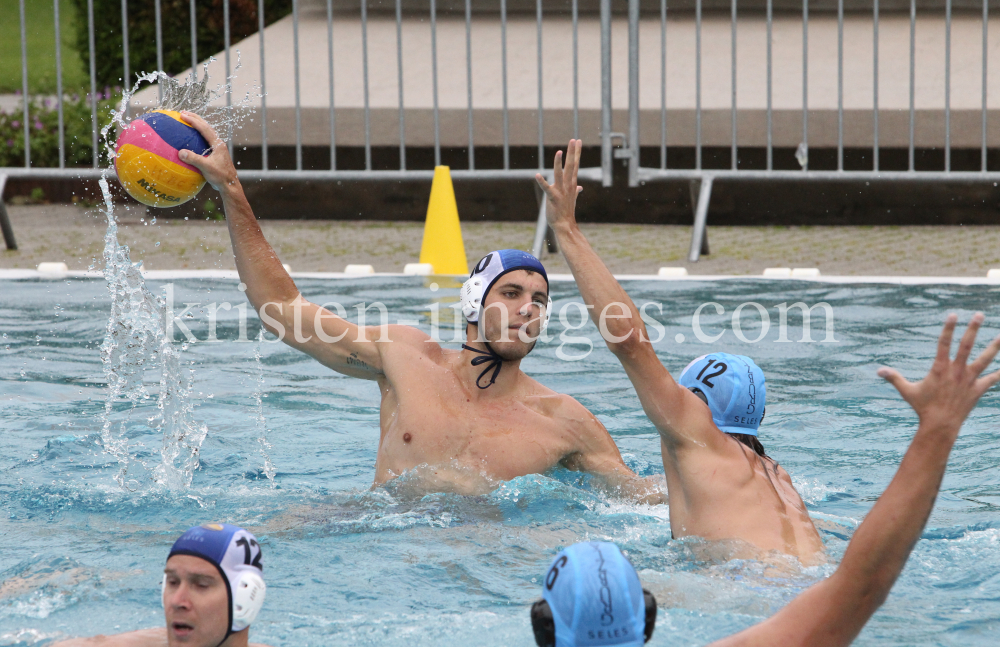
[
  {"x": 516, "y": 302},
  {"x": 195, "y": 602}
]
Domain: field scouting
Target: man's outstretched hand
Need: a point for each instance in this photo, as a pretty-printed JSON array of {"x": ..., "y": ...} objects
[
  {"x": 952, "y": 387},
  {"x": 217, "y": 167},
  {"x": 561, "y": 194}
]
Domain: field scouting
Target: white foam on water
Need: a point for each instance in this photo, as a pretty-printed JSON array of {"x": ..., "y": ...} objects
[{"x": 813, "y": 492}]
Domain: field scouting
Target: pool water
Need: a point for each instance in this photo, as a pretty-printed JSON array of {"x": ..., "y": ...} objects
[{"x": 349, "y": 565}]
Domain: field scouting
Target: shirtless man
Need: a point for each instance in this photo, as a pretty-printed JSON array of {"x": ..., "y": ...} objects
[
  {"x": 464, "y": 426},
  {"x": 720, "y": 486},
  {"x": 832, "y": 612},
  {"x": 213, "y": 589}
]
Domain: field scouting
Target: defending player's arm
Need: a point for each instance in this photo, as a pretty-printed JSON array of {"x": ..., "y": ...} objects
[
  {"x": 333, "y": 341},
  {"x": 678, "y": 414},
  {"x": 597, "y": 454},
  {"x": 833, "y": 612}
]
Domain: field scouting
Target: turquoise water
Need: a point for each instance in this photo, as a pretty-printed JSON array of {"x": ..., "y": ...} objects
[{"x": 349, "y": 565}]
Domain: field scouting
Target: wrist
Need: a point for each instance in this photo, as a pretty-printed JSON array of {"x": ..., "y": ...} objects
[
  {"x": 939, "y": 425},
  {"x": 231, "y": 188},
  {"x": 565, "y": 228}
]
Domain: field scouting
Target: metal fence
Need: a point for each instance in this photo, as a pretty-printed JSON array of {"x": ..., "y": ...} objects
[{"x": 357, "y": 125}]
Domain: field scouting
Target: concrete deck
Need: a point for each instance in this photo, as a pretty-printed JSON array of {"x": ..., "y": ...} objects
[{"x": 75, "y": 236}]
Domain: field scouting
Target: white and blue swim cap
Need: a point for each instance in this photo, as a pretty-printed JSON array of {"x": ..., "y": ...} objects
[
  {"x": 236, "y": 553},
  {"x": 488, "y": 271},
  {"x": 596, "y": 598},
  {"x": 733, "y": 386}
]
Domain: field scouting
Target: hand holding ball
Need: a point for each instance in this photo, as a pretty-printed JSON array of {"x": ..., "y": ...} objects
[{"x": 147, "y": 161}]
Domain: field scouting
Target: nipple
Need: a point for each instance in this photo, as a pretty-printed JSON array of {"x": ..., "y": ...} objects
[{"x": 407, "y": 437}]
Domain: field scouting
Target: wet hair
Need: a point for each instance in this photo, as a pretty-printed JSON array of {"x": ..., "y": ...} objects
[{"x": 752, "y": 442}]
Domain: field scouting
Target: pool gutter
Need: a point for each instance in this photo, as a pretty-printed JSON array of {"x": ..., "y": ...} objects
[{"x": 166, "y": 275}]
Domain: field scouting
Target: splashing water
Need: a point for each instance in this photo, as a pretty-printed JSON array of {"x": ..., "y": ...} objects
[
  {"x": 258, "y": 400},
  {"x": 136, "y": 338}
]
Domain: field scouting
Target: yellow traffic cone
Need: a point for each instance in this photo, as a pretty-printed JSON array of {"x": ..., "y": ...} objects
[{"x": 442, "y": 246}]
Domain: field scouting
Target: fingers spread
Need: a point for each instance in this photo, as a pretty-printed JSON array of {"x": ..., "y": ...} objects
[
  {"x": 986, "y": 382},
  {"x": 893, "y": 377},
  {"x": 986, "y": 357},
  {"x": 542, "y": 183},
  {"x": 577, "y": 150},
  {"x": 968, "y": 339},
  {"x": 944, "y": 341},
  {"x": 557, "y": 170}
]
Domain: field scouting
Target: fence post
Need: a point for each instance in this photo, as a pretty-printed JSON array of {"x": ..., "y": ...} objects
[
  {"x": 8, "y": 231},
  {"x": 699, "y": 238},
  {"x": 542, "y": 225},
  {"x": 606, "y": 152},
  {"x": 633, "y": 92}
]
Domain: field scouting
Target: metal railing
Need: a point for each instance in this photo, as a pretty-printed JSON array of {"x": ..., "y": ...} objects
[{"x": 625, "y": 145}]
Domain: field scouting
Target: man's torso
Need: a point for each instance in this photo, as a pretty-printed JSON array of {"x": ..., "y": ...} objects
[
  {"x": 737, "y": 494},
  {"x": 459, "y": 440}
]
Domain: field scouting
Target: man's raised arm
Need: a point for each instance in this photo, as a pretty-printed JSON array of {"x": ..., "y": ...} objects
[
  {"x": 330, "y": 339},
  {"x": 672, "y": 408},
  {"x": 833, "y": 612}
]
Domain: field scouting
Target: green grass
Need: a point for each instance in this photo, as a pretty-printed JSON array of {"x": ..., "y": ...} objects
[{"x": 41, "y": 47}]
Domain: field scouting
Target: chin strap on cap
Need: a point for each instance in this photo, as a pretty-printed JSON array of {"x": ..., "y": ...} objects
[{"x": 495, "y": 363}]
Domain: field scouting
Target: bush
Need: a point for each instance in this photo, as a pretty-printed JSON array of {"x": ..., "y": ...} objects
[
  {"x": 43, "y": 120},
  {"x": 176, "y": 33}
]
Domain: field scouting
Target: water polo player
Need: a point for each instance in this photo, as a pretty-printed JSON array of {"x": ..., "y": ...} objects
[
  {"x": 721, "y": 484},
  {"x": 592, "y": 594},
  {"x": 458, "y": 420},
  {"x": 212, "y": 590}
]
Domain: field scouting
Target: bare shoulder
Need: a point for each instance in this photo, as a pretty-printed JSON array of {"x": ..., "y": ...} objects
[
  {"x": 156, "y": 637},
  {"x": 563, "y": 409},
  {"x": 408, "y": 335},
  {"x": 405, "y": 340},
  {"x": 541, "y": 398}
]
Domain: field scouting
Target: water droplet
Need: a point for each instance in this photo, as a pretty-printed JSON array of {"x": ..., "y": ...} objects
[{"x": 157, "y": 243}]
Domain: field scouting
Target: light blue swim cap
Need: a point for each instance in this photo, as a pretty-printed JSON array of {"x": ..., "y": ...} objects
[
  {"x": 595, "y": 597},
  {"x": 734, "y": 388}
]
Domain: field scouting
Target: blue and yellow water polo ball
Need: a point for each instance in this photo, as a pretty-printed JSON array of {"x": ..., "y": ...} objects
[{"x": 147, "y": 162}]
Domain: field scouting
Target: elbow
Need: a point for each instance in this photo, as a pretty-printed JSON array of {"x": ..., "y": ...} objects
[
  {"x": 277, "y": 317},
  {"x": 627, "y": 343},
  {"x": 865, "y": 592}
]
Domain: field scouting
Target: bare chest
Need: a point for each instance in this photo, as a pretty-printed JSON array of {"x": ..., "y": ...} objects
[{"x": 437, "y": 422}]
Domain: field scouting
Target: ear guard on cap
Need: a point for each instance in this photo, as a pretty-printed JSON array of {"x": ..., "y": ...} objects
[
  {"x": 471, "y": 298},
  {"x": 544, "y": 625},
  {"x": 248, "y": 598}
]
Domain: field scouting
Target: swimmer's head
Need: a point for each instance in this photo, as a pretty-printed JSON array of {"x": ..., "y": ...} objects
[
  {"x": 213, "y": 585},
  {"x": 591, "y": 595},
  {"x": 507, "y": 298},
  {"x": 733, "y": 388}
]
